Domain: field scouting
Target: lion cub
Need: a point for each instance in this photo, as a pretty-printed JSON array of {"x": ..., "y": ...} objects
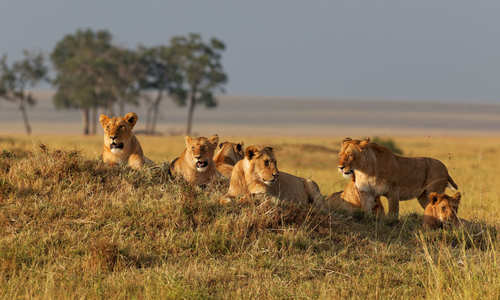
[
  {"x": 349, "y": 200},
  {"x": 257, "y": 173},
  {"x": 196, "y": 164},
  {"x": 441, "y": 209},
  {"x": 226, "y": 156},
  {"x": 120, "y": 143}
]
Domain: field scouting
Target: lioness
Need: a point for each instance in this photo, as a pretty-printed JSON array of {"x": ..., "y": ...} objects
[
  {"x": 196, "y": 164},
  {"x": 379, "y": 172},
  {"x": 348, "y": 200},
  {"x": 120, "y": 143},
  {"x": 226, "y": 156},
  {"x": 441, "y": 209},
  {"x": 257, "y": 173}
]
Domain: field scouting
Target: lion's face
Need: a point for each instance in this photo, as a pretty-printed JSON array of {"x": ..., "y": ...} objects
[
  {"x": 117, "y": 131},
  {"x": 263, "y": 165},
  {"x": 200, "y": 151},
  {"x": 444, "y": 208},
  {"x": 233, "y": 152},
  {"x": 350, "y": 155}
]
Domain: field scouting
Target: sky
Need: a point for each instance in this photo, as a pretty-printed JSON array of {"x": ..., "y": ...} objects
[{"x": 445, "y": 50}]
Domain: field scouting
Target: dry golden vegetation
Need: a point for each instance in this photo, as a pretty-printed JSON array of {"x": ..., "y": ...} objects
[{"x": 72, "y": 227}]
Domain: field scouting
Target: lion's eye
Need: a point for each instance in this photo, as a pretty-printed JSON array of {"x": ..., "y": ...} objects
[
  {"x": 266, "y": 163},
  {"x": 443, "y": 208},
  {"x": 202, "y": 148},
  {"x": 120, "y": 127},
  {"x": 192, "y": 148}
]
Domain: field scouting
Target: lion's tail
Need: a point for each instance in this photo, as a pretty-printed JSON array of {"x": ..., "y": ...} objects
[{"x": 452, "y": 183}]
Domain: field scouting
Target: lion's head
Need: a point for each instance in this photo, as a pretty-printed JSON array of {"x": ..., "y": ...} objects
[
  {"x": 230, "y": 152},
  {"x": 352, "y": 155},
  {"x": 442, "y": 208},
  {"x": 118, "y": 131},
  {"x": 200, "y": 151},
  {"x": 262, "y": 164}
]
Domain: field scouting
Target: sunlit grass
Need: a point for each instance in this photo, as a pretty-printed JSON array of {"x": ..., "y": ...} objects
[{"x": 71, "y": 227}]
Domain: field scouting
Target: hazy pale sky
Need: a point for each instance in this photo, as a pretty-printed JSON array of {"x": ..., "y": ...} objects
[{"x": 400, "y": 49}]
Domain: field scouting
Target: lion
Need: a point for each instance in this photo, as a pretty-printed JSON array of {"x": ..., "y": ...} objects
[
  {"x": 349, "y": 201},
  {"x": 376, "y": 171},
  {"x": 257, "y": 173},
  {"x": 196, "y": 164},
  {"x": 120, "y": 144},
  {"x": 226, "y": 156},
  {"x": 441, "y": 209}
]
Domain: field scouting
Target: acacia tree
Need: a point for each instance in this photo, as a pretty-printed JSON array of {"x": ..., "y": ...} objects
[
  {"x": 161, "y": 76},
  {"x": 82, "y": 63},
  {"x": 200, "y": 66},
  {"x": 22, "y": 75}
]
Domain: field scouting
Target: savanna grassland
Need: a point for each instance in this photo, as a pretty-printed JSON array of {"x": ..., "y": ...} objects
[{"x": 72, "y": 227}]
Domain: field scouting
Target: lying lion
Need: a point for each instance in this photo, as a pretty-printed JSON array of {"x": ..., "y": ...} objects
[
  {"x": 379, "y": 172},
  {"x": 349, "y": 201},
  {"x": 257, "y": 173},
  {"x": 196, "y": 164},
  {"x": 441, "y": 209},
  {"x": 226, "y": 156},
  {"x": 120, "y": 143}
]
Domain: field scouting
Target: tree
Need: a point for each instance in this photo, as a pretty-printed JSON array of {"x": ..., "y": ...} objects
[
  {"x": 22, "y": 75},
  {"x": 82, "y": 62},
  {"x": 200, "y": 66},
  {"x": 162, "y": 76}
]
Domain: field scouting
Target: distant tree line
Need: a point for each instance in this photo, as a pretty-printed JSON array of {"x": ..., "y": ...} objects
[{"x": 93, "y": 74}]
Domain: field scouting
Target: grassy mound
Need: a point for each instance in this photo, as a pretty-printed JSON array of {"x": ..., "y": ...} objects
[{"x": 73, "y": 227}]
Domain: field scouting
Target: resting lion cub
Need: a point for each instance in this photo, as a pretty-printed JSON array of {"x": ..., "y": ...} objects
[
  {"x": 441, "y": 209},
  {"x": 196, "y": 163},
  {"x": 226, "y": 156},
  {"x": 120, "y": 143},
  {"x": 257, "y": 173},
  {"x": 349, "y": 201}
]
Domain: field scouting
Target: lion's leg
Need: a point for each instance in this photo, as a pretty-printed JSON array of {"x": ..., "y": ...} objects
[
  {"x": 367, "y": 201},
  {"x": 393, "y": 200},
  {"x": 438, "y": 186}
]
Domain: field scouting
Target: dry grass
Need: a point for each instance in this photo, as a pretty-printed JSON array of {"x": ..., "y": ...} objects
[{"x": 74, "y": 228}]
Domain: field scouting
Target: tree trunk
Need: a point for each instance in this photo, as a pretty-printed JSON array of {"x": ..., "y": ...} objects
[
  {"x": 22, "y": 107},
  {"x": 85, "y": 118},
  {"x": 156, "y": 108},
  {"x": 192, "y": 103},
  {"x": 94, "y": 120}
]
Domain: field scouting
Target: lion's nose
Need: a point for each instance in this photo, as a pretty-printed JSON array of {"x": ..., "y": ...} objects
[
  {"x": 113, "y": 137},
  {"x": 341, "y": 167},
  {"x": 275, "y": 175},
  {"x": 197, "y": 156}
]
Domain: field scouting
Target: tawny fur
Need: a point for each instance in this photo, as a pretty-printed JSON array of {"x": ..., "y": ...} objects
[
  {"x": 349, "y": 201},
  {"x": 226, "y": 156},
  {"x": 199, "y": 149},
  {"x": 257, "y": 173},
  {"x": 379, "y": 172},
  {"x": 441, "y": 209},
  {"x": 120, "y": 128}
]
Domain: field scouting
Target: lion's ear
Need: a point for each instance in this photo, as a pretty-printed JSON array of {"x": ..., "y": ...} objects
[
  {"x": 239, "y": 146},
  {"x": 364, "y": 142},
  {"x": 251, "y": 151},
  {"x": 188, "y": 140},
  {"x": 214, "y": 140},
  {"x": 347, "y": 139},
  {"x": 433, "y": 197},
  {"x": 131, "y": 118},
  {"x": 269, "y": 148},
  {"x": 103, "y": 119}
]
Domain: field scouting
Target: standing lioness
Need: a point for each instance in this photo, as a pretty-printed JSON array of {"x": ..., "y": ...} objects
[
  {"x": 120, "y": 143},
  {"x": 257, "y": 173},
  {"x": 379, "y": 172},
  {"x": 196, "y": 163}
]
